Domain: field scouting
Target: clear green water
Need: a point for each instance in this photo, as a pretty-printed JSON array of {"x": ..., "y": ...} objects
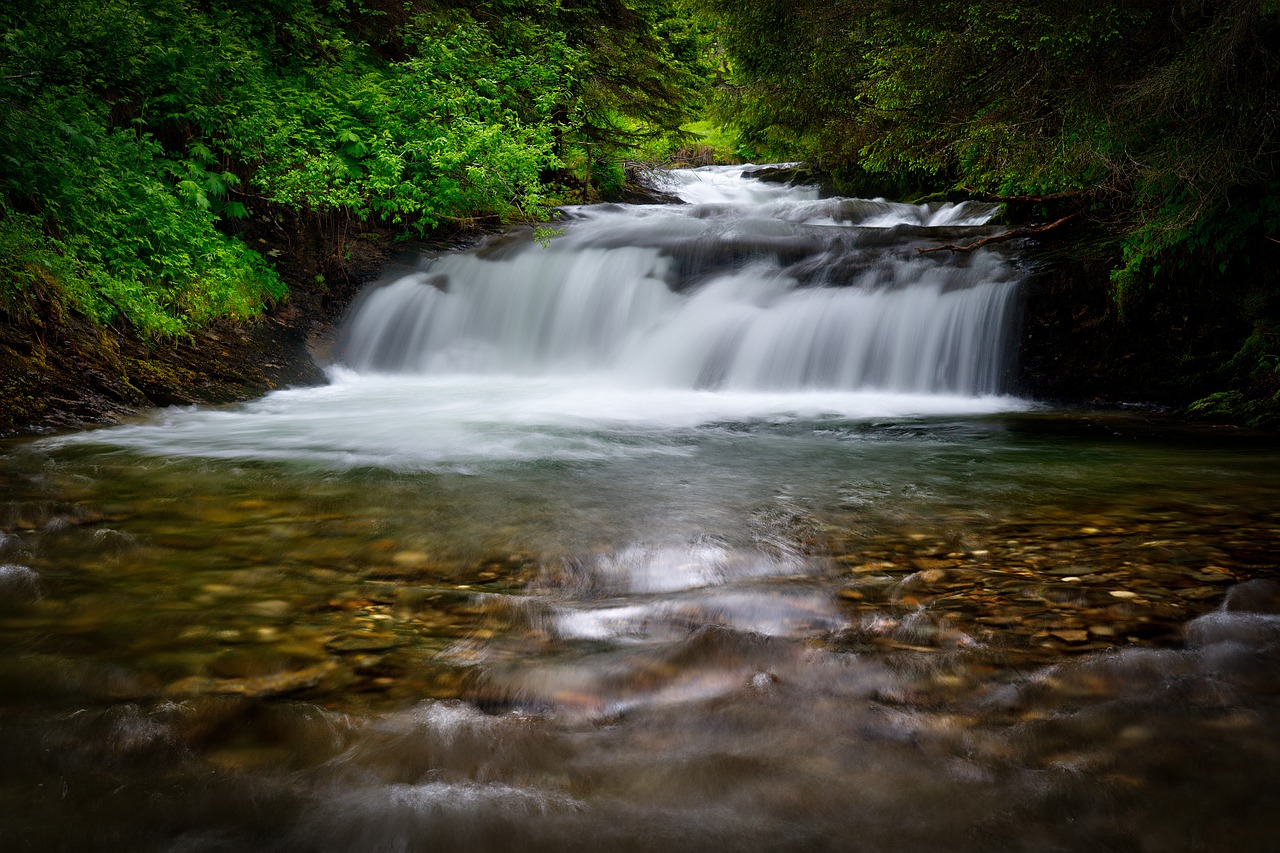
[
  {"x": 700, "y": 528},
  {"x": 962, "y": 633}
]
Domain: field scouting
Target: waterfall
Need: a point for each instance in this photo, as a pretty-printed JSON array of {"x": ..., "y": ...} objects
[
  {"x": 748, "y": 286},
  {"x": 751, "y": 303}
]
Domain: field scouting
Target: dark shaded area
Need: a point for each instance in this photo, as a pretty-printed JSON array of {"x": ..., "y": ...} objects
[{"x": 1176, "y": 346}]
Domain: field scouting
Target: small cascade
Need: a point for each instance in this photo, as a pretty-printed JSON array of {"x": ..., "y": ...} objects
[{"x": 748, "y": 286}]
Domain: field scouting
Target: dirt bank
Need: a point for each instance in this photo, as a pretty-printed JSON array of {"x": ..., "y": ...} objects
[{"x": 60, "y": 371}]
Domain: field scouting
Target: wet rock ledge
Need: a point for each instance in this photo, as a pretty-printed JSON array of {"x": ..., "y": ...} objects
[{"x": 69, "y": 373}]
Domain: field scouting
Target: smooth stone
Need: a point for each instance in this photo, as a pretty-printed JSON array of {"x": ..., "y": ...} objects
[
  {"x": 257, "y": 687},
  {"x": 289, "y": 682},
  {"x": 272, "y": 607},
  {"x": 1255, "y": 596},
  {"x": 362, "y": 643},
  {"x": 1074, "y": 571},
  {"x": 256, "y": 662},
  {"x": 869, "y": 568}
]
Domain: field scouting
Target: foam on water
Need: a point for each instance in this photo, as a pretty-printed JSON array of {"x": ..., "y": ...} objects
[{"x": 445, "y": 422}]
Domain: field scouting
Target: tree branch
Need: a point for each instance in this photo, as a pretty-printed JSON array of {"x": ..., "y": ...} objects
[{"x": 1002, "y": 237}]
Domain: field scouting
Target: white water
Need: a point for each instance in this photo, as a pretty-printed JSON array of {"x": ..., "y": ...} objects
[
  {"x": 719, "y": 610},
  {"x": 741, "y": 291},
  {"x": 755, "y": 302}
]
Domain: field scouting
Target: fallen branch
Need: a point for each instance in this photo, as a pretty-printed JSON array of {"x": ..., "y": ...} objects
[{"x": 1000, "y": 238}]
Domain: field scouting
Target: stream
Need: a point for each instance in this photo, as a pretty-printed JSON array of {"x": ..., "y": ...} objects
[{"x": 705, "y": 526}]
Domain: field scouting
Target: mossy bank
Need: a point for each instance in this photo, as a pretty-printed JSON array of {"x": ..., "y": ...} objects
[{"x": 60, "y": 369}]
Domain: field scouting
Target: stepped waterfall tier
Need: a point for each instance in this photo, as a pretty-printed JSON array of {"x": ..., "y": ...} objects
[
  {"x": 702, "y": 526},
  {"x": 750, "y": 303},
  {"x": 747, "y": 287}
]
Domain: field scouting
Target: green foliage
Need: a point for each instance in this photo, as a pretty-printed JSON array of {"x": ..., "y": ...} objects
[
  {"x": 1162, "y": 119},
  {"x": 145, "y": 132}
]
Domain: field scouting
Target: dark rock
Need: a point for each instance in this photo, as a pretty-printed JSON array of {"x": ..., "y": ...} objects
[
  {"x": 644, "y": 186},
  {"x": 18, "y": 585},
  {"x": 1078, "y": 346},
  {"x": 1256, "y": 596},
  {"x": 793, "y": 175}
]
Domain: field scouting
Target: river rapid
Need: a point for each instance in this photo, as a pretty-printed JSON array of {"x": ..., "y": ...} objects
[{"x": 704, "y": 526}]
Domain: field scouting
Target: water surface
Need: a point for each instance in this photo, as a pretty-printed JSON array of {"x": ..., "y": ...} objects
[{"x": 667, "y": 586}]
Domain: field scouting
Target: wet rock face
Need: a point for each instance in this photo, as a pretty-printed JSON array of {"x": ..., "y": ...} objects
[
  {"x": 94, "y": 377},
  {"x": 59, "y": 371},
  {"x": 1078, "y": 347},
  {"x": 794, "y": 175}
]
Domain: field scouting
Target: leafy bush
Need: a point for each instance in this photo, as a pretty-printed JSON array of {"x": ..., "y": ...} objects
[{"x": 143, "y": 130}]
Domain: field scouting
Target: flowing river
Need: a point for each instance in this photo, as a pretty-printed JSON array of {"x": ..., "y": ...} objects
[{"x": 703, "y": 526}]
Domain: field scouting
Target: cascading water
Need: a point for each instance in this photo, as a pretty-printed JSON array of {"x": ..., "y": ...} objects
[
  {"x": 751, "y": 303},
  {"x": 705, "y": 526},
  {"x": 749, "y": 287}
]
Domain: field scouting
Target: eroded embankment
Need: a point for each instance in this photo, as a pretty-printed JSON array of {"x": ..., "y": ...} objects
[{"x": 59, "y": 370}]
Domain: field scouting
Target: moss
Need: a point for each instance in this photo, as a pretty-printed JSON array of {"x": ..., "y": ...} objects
[
  {"x": 1240, "y": 407},
  {"x": 1253, "y": 378}
]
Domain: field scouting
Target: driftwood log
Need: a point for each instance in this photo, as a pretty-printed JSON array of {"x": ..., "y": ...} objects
[{"x": 1001, "y": 237}]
